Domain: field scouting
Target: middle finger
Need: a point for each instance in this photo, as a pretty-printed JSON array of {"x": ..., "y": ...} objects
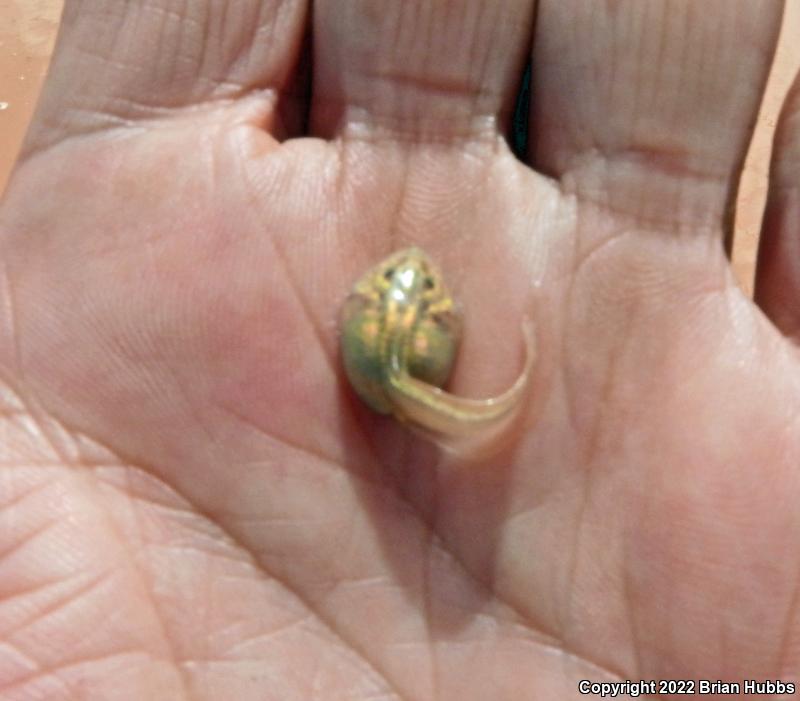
[{"x": 424, "y": 70}]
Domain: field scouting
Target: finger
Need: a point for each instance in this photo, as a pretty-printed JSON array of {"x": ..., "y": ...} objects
[
  {"x": 777, "y": 288},
  {"x": 117, "y": 61},
  {"x": 646, "y": 107},
  {"x": 421, "y": 69}
]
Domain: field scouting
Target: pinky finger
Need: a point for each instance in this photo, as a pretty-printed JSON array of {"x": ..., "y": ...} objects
[{"x": 777, "y": 289}]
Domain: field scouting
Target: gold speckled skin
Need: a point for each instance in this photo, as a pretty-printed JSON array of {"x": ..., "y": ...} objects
[{"x": 400, "y": 332}]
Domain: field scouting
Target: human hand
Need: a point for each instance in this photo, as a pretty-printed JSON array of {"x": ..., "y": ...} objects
[{"x": 193, "y": 504}]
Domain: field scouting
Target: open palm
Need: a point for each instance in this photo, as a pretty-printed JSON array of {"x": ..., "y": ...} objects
[{"x": 192, "y": 503}]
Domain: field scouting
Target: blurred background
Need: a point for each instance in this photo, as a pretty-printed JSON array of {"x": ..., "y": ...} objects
[{"x": 28, "y": 29}]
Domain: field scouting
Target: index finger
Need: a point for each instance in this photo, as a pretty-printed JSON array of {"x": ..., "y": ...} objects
[{"x": 119, "y": 62}]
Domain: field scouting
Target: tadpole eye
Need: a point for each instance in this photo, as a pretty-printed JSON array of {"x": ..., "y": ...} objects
[
  {"x": 388, "y": 274},
  {"x": 429, "y": 284}
]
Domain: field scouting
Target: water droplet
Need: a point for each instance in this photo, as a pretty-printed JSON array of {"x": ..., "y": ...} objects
[{"x": 4, "y": 106}]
